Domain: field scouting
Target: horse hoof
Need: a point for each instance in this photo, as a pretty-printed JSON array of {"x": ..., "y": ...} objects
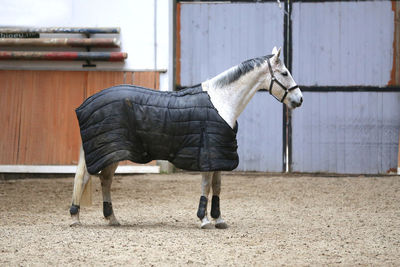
[
  {"x": 221, "y": 225},
  {"x": 207, "y": 225},
  {"x": 75, "y": 224},
  {"x": 75, "y": 220},
  {"x": 112, "y": 221}
]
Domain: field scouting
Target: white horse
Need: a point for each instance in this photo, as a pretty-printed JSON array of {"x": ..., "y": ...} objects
[{"x": 229, "y": 92}]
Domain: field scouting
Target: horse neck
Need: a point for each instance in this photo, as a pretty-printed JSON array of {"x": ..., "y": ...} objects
[{"x": 231, "y": 99}]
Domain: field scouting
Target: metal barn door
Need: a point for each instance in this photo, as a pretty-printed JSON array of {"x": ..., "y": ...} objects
[
  {"x": 216, "y": 36},
  {"x": 350, "y": 119}
]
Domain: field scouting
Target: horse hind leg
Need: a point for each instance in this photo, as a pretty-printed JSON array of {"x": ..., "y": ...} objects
[
  {"x": 215, "y": 209},
  {"x": 106, "y": 177},
  {"x": 81, "y": 178},
  {"x": 202, "y": 210}
]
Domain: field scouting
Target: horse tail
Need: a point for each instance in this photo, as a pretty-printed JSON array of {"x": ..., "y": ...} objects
[{"x": 82, "y": 183}]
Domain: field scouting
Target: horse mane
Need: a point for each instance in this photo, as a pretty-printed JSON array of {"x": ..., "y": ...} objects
[{"x": 238, "y": 71}]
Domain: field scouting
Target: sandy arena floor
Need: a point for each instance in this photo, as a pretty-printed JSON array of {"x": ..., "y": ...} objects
[{"x": 274, "y": 220}]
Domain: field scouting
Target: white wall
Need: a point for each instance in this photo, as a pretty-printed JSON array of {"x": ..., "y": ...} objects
[{"x": 146, "y": 45}]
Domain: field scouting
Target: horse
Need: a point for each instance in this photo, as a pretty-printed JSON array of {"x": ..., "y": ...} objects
[{"x": 229, "y": 93}]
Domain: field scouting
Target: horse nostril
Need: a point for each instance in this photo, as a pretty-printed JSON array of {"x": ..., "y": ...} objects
[{"x": 297, "y": 103}]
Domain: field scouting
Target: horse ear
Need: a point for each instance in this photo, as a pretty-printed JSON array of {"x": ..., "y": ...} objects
[{"x": 278, "y": 53}]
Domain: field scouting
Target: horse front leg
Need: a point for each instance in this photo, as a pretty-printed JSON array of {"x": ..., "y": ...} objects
[
  {"x": 106, "y": 177},
  {"x": 202, "y": 210},
  {"x": 81, "y": 178},
  {"x": 215, "y": 210}
]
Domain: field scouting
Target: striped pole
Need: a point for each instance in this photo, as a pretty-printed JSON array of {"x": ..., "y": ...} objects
[
  {"x": 93, "y": 30},
  {"x": 95, "y": 56},
  {"x": 65, "y": 42}
]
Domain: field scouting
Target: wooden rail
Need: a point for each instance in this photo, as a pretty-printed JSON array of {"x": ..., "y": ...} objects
[
  {"x": 95, "y": 56},
  {"x": 93, "y": 30},
  {"x": 30, "y": 37},
  {"x": 65, "y": 42}
]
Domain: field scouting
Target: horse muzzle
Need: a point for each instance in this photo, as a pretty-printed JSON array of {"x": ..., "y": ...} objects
[{"x": 296, "y": 103}]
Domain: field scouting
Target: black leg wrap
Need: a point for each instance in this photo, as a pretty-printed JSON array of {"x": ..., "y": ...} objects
[
  {"x": 107, "y": 209},
  {"x": 201, "y": 212},
  {"x": 215, "y": 212},
  {"x": 74, "y": 209}
]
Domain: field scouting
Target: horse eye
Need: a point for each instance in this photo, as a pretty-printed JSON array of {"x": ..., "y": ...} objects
[{"x": 285, "y": 73}]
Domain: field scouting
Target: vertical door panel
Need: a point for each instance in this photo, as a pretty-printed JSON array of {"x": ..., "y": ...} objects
[{"x": 217, "y": 36}]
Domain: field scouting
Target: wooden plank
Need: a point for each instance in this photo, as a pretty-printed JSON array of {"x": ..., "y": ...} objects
[
  {"x": 37, "y": 111},
  {"x": 89, "y": 30},
  {"x": 72, "y": 169},
  {"x": 95, "y": 56},
  {"x": 99, "y": 80},
  {"x": 148, "y": 79},
  {"x": 61, "y": 42},
  {"x": 128, "y": 77},
  {"x": 12, "y": 85},
  {"x": 49, "y": 129}
]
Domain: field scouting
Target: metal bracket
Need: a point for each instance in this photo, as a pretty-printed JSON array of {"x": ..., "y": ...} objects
[{"x": 88, "y": 64}]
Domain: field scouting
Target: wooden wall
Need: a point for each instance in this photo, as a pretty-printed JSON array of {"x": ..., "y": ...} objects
[{"x": 37, "y": 111}]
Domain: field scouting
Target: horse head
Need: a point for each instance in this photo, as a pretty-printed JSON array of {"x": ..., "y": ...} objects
[{"x": 279, "y": 82}]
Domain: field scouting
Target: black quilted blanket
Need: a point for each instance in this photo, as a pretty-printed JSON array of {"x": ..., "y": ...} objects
[{"x": 128, "y": 122}]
